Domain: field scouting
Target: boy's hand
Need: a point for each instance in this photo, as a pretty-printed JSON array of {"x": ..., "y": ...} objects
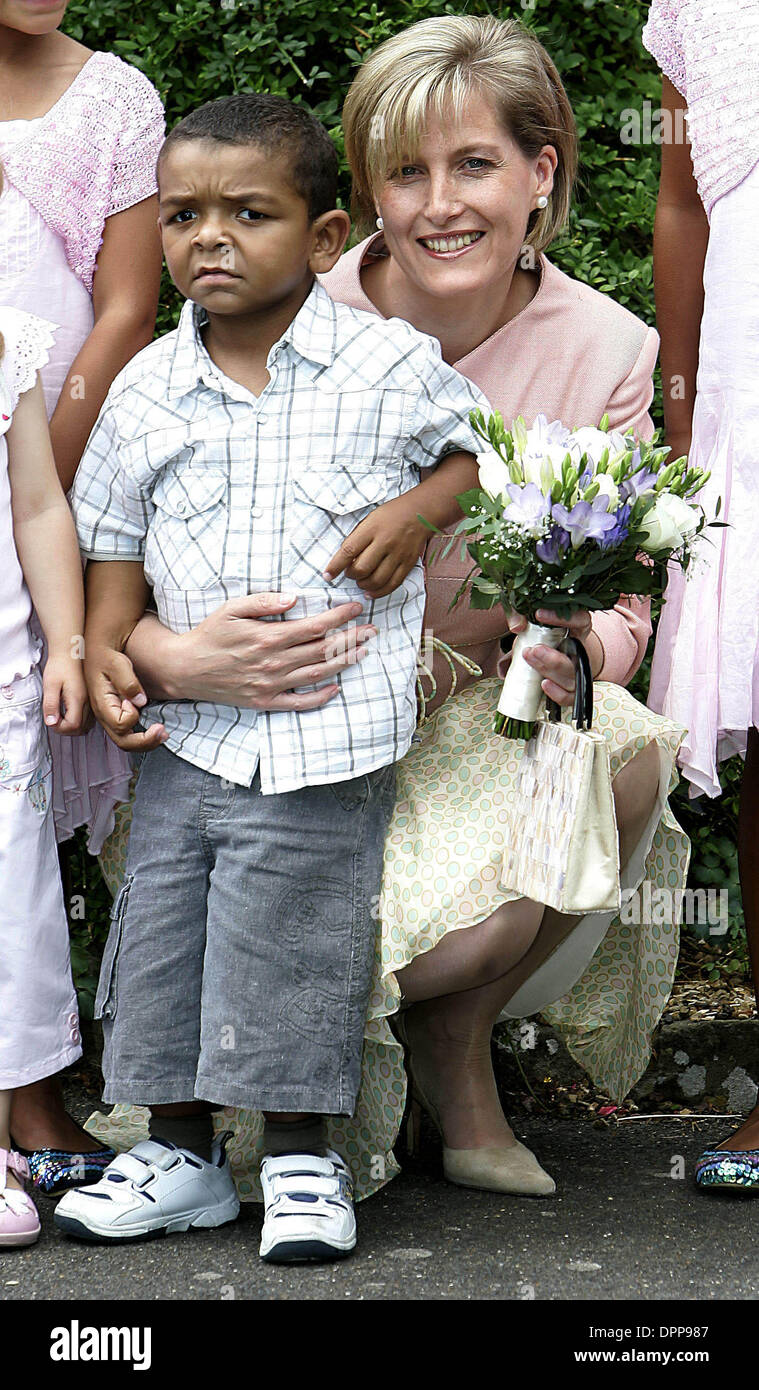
[
  {"x": 383, "y": 549},
  {"x": 64, "y": 696},
  {"x": 117, "y": 697}
]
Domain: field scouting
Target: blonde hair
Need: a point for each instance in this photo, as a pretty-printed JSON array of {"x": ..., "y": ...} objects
[{"x": 439, "y": 63}]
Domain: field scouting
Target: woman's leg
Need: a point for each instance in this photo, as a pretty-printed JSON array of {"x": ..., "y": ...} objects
[
  {"x": 747, "y": 1135},
  {"x": 456, "y": 1000}
]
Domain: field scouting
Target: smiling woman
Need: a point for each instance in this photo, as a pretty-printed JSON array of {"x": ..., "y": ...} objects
[{"x": 462, "y": 141}]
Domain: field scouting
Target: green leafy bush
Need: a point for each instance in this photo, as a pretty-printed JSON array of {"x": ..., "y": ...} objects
[{"x": 195, "y": 50}]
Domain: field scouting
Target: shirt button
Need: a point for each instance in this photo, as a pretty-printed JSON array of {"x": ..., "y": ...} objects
[
  {"x": 263, "y": 419},
  {"x": 74, "y": 1020},
  {"x": 75, "y": 1036},
  {"x": 181, "y": 508},
  {"x": 256, "y": 512}
]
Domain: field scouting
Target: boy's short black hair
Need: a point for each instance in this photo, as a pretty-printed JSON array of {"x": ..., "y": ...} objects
[{"x": 276, "y": 126}]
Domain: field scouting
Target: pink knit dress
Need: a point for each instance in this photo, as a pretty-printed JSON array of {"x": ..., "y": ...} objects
[
  {"x": 92, "y": 155},
  {"x": 705, "y": 671}
]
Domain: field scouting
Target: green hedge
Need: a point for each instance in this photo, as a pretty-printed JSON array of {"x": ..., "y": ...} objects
[{"x": 195, "y": 50}]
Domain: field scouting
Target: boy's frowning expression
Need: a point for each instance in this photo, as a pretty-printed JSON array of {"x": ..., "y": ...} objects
[{"x": 237, "y": 236}]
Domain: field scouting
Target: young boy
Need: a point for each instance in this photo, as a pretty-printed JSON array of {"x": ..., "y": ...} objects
[{"x": 274, "y": 441}]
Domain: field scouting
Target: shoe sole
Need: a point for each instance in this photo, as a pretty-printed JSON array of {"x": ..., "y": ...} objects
[
  {"x": 728, "y": 1189},
  {"x": 207, "y": 1220},
  {"x": 11, "y": 1242},
  {"x": 504, "y": 1191},
  {"x": 288, "y": 1252}
]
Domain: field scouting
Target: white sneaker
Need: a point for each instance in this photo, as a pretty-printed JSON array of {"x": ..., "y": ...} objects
[
  {"x": 154, "y": 1187},
  {"x": 308, "y": 1208}
]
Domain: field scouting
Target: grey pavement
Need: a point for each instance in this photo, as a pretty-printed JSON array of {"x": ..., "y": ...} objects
[{"x": 623, "y": 1225}]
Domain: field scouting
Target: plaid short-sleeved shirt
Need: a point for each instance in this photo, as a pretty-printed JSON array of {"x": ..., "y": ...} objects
[{"x": 220, "y": 494}]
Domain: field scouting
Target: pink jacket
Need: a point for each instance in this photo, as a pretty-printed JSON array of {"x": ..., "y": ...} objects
[
  {"x": 93, "y": 155},
  {"x": 572, "y": 354}
]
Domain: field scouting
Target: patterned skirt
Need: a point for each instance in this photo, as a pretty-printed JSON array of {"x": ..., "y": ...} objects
[{"x": 604, "y": 988}]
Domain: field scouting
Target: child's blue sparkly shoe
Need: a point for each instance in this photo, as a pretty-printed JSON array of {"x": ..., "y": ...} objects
[
  {"x": 728, "y": 1170},
  {"x": 58, "y": 1170}
]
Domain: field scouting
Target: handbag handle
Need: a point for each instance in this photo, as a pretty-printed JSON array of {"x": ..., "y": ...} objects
[{"x": 582, "y": 713}]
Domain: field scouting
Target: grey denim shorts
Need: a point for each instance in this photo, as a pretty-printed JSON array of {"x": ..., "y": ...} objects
[{"x": 239, "y": 959}]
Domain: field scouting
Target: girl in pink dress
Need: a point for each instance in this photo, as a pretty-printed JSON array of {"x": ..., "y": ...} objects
[
  {"x": 706, "y": 664},
  {"x": 39, "y": 1025},
  {"x": 79, "y": 135}
]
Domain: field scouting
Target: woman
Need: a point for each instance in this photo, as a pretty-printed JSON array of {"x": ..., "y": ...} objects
[
  {"x": 706, "y": 665},
  {"x": 446, "y": 128}
]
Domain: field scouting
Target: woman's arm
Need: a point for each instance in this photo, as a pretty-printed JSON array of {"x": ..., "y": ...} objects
[
  {"x": 681, "y": 235},
  {"x": 125, "y": 299},
  {"x": 49, "y": 556},
  {"x": 238, "y": 656}
]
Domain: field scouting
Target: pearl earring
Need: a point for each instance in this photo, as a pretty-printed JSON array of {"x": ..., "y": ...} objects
[
  {"x": 380, "y": 225},
  {"x": 542, "y": 201}
]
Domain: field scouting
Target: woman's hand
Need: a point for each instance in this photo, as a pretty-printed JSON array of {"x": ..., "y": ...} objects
[
  {"x": 556, "y": 668},
  {"x": 238, "y": 656}
]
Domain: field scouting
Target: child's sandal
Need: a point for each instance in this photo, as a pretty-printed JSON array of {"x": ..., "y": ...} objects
[{"x": 19, "y": 1221}]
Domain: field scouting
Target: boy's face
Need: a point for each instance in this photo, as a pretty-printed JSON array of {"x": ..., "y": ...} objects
[{"x": 236, "y": 235}]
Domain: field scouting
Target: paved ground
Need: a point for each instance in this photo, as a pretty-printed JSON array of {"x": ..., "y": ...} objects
[{"x": 624, "y": 1225}]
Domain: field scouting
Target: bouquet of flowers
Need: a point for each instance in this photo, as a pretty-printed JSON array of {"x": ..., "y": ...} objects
[{"x": 569, "y": 520}]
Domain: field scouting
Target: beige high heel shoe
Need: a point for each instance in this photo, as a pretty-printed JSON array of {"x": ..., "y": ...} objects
[{"x": 490, "y": 1169}]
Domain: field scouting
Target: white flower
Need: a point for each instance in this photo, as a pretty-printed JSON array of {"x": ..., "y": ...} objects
[
  {"x": 668, "y": 523},
  {"x": 593, "y": 443},
  {"x": 494, "y": 473},
  {"x": 607, "y": 487},
  {"x": 532, "y": 463}
]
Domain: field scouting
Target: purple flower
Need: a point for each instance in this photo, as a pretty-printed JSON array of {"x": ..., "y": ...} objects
[
  {"x": 638, "y": 483},
  {"x": 528, "y": 507},
  {"x": 621, "y": 529},
  {"x": 554, "y": 546},
  {"x": 587, "y": 521}
]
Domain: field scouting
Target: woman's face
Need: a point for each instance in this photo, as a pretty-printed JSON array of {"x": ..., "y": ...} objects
[
  {"x": 455, "y": 218},
  {"x": 32, "y": 16}
]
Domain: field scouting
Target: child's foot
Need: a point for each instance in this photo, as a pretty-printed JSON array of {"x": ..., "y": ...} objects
[
  {"x": 19, "y": 1222},
  {"x": 308, "y": 1208},
  {"x": 152, "y": 1188}
]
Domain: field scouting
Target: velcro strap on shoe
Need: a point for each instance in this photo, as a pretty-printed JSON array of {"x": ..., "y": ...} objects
[
  {"x": 128, "y": 1166},
  {"x": 156, "y": 1154},
  {"x": 18, "y": 1164},
  {"x": 300, "y": 1204},
  {"x": 303, "y": 1164},
  {"x": 301, "y": 1183}
]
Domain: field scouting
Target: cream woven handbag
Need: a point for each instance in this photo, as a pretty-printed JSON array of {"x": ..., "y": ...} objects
[{"x": 561, "y": 826}]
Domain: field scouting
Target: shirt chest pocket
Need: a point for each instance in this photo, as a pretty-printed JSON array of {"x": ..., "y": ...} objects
[
  {"x": 330, "y": 503},
  {"x": 186, "y": 542}
]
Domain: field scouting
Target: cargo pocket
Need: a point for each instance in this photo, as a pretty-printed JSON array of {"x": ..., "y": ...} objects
[
  {"x": 353, "y": 794},
  {"x": 105, "y": 999}
]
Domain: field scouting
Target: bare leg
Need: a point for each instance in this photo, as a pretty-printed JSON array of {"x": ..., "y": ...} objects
[
  {"x": 39, "y": 1119},
  {"x": 450, "y": 1028},
  {"x": 747, "y": 1135}
]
